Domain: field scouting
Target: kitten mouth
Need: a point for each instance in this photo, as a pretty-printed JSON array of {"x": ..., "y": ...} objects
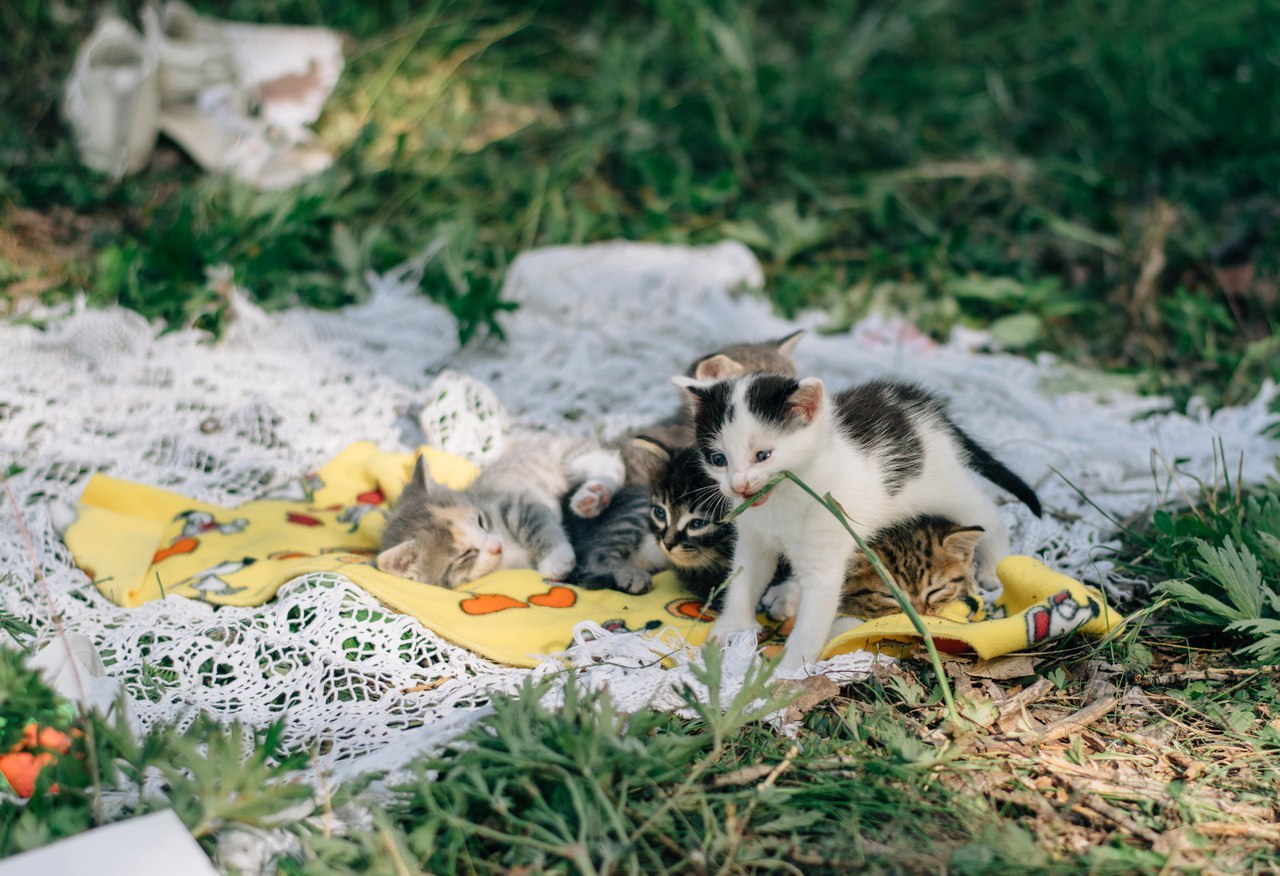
[{"x": 764, "y": 497}]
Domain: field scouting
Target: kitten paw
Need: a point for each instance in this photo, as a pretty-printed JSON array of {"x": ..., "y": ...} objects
[
  {"x": 782, "y": 600},
  {"x": 721, "y": 632},
  {"x": 592, "y": 498},
  {"x": 558, "y": 564},
  {"x": 633, "y": 581}
]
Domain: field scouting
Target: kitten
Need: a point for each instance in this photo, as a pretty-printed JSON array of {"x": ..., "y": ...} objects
[
  {"x": 929, "y": 557},
  {"x": 776, "y": 356},
  {"x": 685, "y": 517},
  {"x": 887, "y": 451},
  {"x": 509, "y": 518},
  {"x": 616, "y": 550}
]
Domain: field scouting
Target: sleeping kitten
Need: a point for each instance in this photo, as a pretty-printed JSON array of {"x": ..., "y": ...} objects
[
  {"x": 929, "y": 557},
  {"x": 887, "y": 451},
  {"x": 616, "y": 550},
  {"x": 509, "y": 518}
]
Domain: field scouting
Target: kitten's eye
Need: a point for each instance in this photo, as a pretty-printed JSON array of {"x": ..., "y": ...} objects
[
  {"x": 762, "y": 455},
  {"x": 483, "y": 520},
  {"x": 717, "y": 459},
  {"x": 699, "y": 523},
  {"x": 659, "y": 513},
  {"x": 468, "y": 555}
]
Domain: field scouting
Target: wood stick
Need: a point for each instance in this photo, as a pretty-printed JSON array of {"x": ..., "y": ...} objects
[
  {"x": 1025, "y": 697},
  {"x": 1170, "y": 679},
  {"x": 1074, "y": 723}
]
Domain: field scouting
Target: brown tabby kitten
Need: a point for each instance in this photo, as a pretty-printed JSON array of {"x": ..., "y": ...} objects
[{"x": 930, "y": 558}]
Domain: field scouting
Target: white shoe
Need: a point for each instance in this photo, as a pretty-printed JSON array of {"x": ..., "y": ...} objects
[{"x": 112, "y": 99}]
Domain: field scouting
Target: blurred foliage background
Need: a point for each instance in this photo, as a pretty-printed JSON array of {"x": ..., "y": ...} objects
[{"x": 1093, "y": 179}]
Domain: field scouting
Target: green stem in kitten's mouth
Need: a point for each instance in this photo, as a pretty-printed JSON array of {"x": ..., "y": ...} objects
[
  {"x": 758, "y": 497},
  {"x": 829, "y": 502}
]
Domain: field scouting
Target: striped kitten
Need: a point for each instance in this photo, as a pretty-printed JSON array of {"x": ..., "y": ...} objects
[
  {"x": 509, "y": 518},
  {"x": 929, "y": 557},
  {"x": 886, "y": 451},
  {"x": 616, "y": 550}
]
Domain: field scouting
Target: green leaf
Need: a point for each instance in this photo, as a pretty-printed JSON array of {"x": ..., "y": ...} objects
[
  {"x": 1237, "y": 573},
  {"x": 1267, "y": 648},
  {"x": 1017, "y": 330}
]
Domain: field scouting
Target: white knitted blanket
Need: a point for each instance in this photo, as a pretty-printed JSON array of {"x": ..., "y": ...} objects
[{"x": 599, "y": 331}]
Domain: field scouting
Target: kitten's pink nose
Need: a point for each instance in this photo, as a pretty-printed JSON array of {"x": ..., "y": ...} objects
[
  {"x": 495, "y": 548},
  {"x": 738, "y": 482}
]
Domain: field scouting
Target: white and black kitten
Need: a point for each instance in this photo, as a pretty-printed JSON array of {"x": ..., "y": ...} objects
[{"x": 887, "y": 451}]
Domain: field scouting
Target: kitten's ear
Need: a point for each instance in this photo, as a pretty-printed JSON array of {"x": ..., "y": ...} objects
[
  {"x": 420, "y": 477},
  {"x": 859, "y": 566},
  {"x": 653, "y": 446},
  {"x": 695, "y": 391},
  {"x": 807, "y": 400},
  {"x": 400, "y": 560},
  {"x": 718, "y": 367},
  {"x": 961, "y": 543},
  {"x": 787, "y": 346}
]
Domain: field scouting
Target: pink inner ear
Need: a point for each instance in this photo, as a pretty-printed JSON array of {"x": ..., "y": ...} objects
[
  {"x": 806, "y": 400},
  {"x": 718, "y": 367}
]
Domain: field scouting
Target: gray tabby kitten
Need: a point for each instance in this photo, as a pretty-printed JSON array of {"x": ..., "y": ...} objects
[
  {"x": 616, "y": 549},
  {"x": 509, "y": 518}
]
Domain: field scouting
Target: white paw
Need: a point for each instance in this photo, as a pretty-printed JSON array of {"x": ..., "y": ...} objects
[
  {"x": 722, "y": 629},
  {"x": 782, "y": 600},
  {"x": 591, "y": 498},
  {"x": 558, "y": 564}
]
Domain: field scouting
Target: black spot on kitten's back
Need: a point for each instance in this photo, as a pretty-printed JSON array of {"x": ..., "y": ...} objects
[{"x": 880, "y": 419}]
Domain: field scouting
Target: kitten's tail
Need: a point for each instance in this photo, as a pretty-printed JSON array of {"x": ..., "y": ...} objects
[{"x": 981, "y": 461}]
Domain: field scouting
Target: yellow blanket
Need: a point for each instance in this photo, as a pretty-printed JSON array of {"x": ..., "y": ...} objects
[{"x": 139, "y": 543}]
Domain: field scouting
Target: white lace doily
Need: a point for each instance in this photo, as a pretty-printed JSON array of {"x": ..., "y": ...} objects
[{"x": 599, "y": 332}]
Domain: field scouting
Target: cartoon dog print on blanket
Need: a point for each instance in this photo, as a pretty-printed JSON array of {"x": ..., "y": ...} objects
[
  {"x": 1057, "y": 616},
  {"x": 202, "y": 523}
]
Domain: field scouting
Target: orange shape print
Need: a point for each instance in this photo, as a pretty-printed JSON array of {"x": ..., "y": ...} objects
[
  {"x": 488, "y": 603},
  {"x": 690, "y": 609},
  {"x": 179, "y": 547},
  {"x": 556, "y": 597}
]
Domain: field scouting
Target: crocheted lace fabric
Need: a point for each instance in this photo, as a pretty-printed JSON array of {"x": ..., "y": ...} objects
[{"x": 599, "y": 331}]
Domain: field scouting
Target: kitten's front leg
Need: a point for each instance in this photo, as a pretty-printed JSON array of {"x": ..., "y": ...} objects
[
  {"x": 819, "y": 590},
  {"x": 538, "y": 528},
  {"x": 745, "y": 589}
]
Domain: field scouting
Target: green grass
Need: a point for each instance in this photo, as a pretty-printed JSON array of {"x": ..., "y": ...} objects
[
  {"x": 1017, "y": 165},
  {"x": 1022, "y": 166}
]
